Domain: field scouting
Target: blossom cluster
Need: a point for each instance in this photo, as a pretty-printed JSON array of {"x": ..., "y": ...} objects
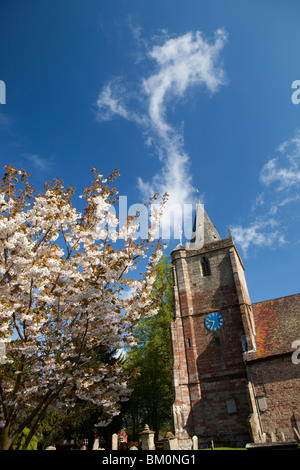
[{"x": 63, "y": 297}]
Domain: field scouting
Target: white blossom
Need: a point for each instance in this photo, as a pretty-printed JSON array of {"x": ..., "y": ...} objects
[{"x": 63, "y": 295}]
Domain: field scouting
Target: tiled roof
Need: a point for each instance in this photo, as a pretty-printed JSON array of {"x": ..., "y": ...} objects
[{"x": 277, "y": 324}]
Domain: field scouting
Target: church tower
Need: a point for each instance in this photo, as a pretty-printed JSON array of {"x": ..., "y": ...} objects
[{"x": 213, "y": 326}]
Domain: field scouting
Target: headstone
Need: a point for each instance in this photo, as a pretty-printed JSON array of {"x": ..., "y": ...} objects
[
  {"x": 170, "y": 442},
  {"x": 114, "y": 442},
  {"x": 195, "y": 442},
  {"x": 273, "y": 437},
  {"x": 96, "y": 443},
  {"x": 282, "y": 437},
  {"x": 147, "y": 439},
  {"x": 296, "y": 417},
  {"x": 297, "y": 434}
]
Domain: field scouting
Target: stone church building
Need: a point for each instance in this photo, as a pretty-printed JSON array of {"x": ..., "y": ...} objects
[{"x": 235, "y": 376}]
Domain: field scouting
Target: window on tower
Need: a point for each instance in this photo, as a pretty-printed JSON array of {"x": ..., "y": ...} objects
[{"x": 205, "y": 267}]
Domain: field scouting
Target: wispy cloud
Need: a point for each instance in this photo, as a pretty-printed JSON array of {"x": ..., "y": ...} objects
[
  {"x": 284, "y": 175},
  {"x": 109, "y": 102},
  {"x": 5, "y": 122},
  {"x": 176, "y": 64},
  {"x": 260, "y": 233},
  {"x": 280, "y": 179},
  {"x": 41, "y": 163},
  {"x": 183, "y": 62}
]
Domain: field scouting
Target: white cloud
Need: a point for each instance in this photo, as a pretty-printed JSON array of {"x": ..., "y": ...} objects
[
  {"x": 280, "y": 177},
  {"x": 259, "y": 233},
  {"x": 42, "y": 163},
  {"x": 284, "y": 202},
  {"x": 283, "y": 177},
  {"x": 183, "y": 62},
  {"x": 284, "y": 174},
  {"x": 109, "y": 102},
  {"x": 180, "y": 63}
]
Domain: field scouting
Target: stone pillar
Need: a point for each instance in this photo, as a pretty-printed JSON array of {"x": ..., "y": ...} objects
[{"x": 147, "y": 439}]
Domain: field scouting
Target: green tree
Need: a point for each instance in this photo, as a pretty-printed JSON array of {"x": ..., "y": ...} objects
[
  {"x": 152, "y": 397},
  {"x": 20, "y": 441}
]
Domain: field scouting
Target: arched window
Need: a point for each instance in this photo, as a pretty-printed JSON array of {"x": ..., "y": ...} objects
[{"x": 205, "y": 267}]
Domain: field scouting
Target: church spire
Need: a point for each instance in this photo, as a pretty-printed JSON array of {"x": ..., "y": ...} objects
[{"x": 203, "y": 230}]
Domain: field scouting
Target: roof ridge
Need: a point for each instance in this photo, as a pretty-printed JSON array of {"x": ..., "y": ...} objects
[{"x": 276, "y": 298}]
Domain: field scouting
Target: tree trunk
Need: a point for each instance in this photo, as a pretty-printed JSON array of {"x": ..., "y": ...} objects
[
  {"x": 35, "y": 426},
  {"x": 5, "y": 440}
]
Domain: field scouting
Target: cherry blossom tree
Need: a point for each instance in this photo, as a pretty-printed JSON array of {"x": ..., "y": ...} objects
[{"x": 64, "y": 283}]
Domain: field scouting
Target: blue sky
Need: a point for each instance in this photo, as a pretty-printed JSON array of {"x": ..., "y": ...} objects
[{"x": 179, "y": 96}]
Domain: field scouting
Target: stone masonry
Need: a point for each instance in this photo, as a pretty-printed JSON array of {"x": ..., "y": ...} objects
[{"x": 214, "y": 383}]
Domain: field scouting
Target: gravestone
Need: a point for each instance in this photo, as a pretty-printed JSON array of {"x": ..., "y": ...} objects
[
  {"x": 297, "y": 434},
  {"x": 170, "y": 442},
  {"x": 96, "y": 443},
  {"x": 147, "y": 439},
  {"x": 273, "y": 437},
  {"x": 114, "y": 442},
  {"x": 296, "y": 417}
]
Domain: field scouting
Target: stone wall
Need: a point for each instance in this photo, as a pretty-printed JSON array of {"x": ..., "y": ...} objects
[
  {"x": 277, "y": 386},
  {"x": 208, "y": 370},
  {"x": 222, "y": 390}
]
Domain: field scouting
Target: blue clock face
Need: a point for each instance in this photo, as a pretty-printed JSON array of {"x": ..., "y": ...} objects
[{"x": 214, "y": 321}]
